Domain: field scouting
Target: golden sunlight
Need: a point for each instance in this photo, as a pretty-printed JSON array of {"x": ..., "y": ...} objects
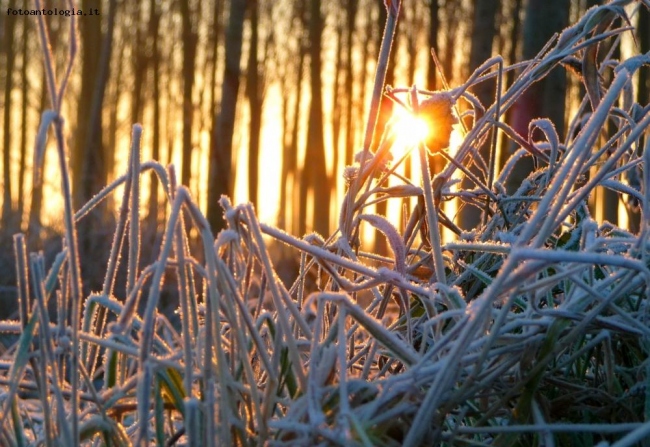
[{"x": 409, "y": 130}]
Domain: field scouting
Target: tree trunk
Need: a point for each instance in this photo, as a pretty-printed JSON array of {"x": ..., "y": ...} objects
[
  {"x": 190, "y": 39},
  {"x": 115, "y": 94},
  {"x": 368, "y": 38},
  {"x": 483, "y": 33},
  {"x": 434, "y": 25},
  {"x": 255, "y": 105},
  {"x": 543, "y": 18},
  {"x": 314, "y": 165},
  {"x": 90, "y": 150},
  {"x": 515, "y": 45},
  {"x": 285, "y": 207},
  {"x": 220, "y": 178},
  {"x": 10, "y": 56},
  {"x": 214, "y": 43},
  {"x": 352, "y": 7},
  {"x": 154, "y": 26},
  {"x": 451, "y": 8},
  {"x": 23, "y": 119},
  {"x": 336, "y": 102},
  {"x": 414, "y": 27},
  {"x": 298, "y": 212}
]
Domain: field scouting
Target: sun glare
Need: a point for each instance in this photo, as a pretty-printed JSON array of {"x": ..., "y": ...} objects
[{"x": 409, "y": 131}]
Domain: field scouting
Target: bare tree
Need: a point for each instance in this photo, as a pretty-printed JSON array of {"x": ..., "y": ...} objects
[
  {"x": 288, "y": 190},
  {"x": 336, "y": 94},
  {"x": 140, "y": 60},
  {"x": 482, "y": 38},
  {"x": 9, "y": 53},
  {"x": 88, "y": 151},
  {"x": 483, "y": 34},
  {"x": 414, "y": 26},
  {"x": 453, "y": 14},
  {"x": 154, "y": 35},
  {"x": 352, "y": 6},
  {"x": 434, "y": 25},
  {"x": 255, "y": 104},
  {"x": 314, "y": 169},
  {"x": 190, "y": 40},
  {"x": 24, "y": 81},
  {"x": 220, "y": 178},
  {"x": 543, "y": 19}
]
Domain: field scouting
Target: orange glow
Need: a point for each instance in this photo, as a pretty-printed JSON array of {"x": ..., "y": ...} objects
[{"x": 409, "y": 130}]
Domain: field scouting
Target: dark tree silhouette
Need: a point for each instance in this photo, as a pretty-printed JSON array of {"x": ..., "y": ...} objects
[
  {"x": 89, "y": 154},
  {"x": 542, "y": 19},
  {"x": 434, "y": 25},
  {"x": 190, "y": 40},
  {"x": 10, "y": 56},
  {"x": 154, "y": 37},
  {"x": 482, "y": 39},
  {"x": 314, "y": 169},
  {"x": 337, "y": 117},
  {"x": 351, "y": 8},
  {"x": 253, "y": 87},
  {"x": 24, "y": 95},
  {"x": 220, "y": 178},
  {"x": 289, "y": 190}
]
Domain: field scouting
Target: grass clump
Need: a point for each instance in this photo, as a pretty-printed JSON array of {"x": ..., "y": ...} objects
[{"x": 531, "y": 329}]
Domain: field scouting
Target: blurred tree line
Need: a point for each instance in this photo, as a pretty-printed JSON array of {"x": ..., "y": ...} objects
[{"x": 198, "y": 74}]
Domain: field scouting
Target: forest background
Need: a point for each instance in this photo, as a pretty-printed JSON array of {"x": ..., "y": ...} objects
[{"x": 262, "y": 100}]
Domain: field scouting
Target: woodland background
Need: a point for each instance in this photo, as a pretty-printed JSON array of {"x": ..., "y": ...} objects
[{"x": 264, "y": 101}]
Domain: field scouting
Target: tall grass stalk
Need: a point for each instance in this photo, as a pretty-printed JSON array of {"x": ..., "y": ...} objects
[{"x": 70, "y": 232}]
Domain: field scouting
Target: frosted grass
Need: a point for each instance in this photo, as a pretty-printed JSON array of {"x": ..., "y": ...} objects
[{"x": 532, "y": 328}]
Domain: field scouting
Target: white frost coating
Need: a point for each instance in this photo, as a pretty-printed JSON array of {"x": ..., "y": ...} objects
[{"x": 224, "y": 237}]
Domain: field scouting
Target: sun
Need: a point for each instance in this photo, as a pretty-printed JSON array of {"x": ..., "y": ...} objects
[{"x": 409, "y": 131}]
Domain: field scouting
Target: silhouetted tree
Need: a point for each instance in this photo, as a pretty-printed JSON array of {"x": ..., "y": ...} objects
[
  {"x": 351, "y": 8},
  {"x": 289, "y": 191},
  {"x": 10, "y": 56},
  {"x": 482, "y": 38},
  {"x": 24, "y": 81},
  {"x": 434, "y": 25},
  {"x": 220, "y": 178},
  {"x": 542, "y": 19},
  {"x": 255, "y": 104},
  {"x": 140, "y": 60},
  {"x": 452, "y": 14},
  {"x": 314, "y": 170},
  {"x": 190, "y": 40},
  {"x": 336, "y": 93},
  {"x": 154, "y": 37},
  {"x": 483, "y": 34}
]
